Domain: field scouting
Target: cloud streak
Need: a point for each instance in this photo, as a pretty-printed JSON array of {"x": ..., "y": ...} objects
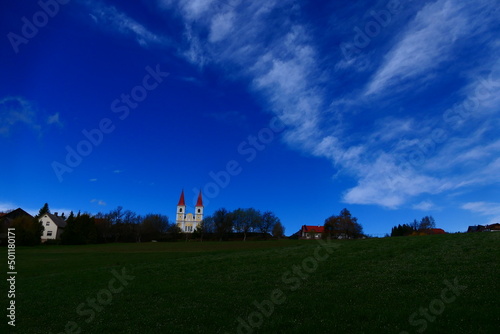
[
  {"x": 427, "y": 43},
  {"x": 15, "y": 111},
  {"x": 111, "y": 18},
  {"x": 280, "y": 60},
  {"x": 488, "y": 209}
]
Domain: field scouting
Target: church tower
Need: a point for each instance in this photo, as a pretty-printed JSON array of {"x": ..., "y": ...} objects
[
  {"x": 188, "y": 222},
  {"x": 199, "y": 209},
  {"x": 181, "y": 212}
]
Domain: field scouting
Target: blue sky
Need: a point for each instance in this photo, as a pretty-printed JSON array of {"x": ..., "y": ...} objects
[{"x": 387, "y": 108}]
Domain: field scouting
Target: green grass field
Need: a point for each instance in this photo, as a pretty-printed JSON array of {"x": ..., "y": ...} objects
[{"x": 389, "y": 285}]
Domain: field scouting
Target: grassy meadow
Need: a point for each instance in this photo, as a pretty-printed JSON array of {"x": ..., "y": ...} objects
[{"x": 431, "y": 284}]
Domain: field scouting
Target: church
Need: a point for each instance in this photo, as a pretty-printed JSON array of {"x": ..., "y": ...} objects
[{"x": 188, "y": 222}]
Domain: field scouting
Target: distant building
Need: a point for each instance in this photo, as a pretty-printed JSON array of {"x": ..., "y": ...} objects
[
  {"x": 6, "y": 220},
  {"x": 53, "y": 226},
  {"x": 188, "y": 222},
  {"x": 487, "y": 228},
  {"x": 436, "y": 231},
  {"x": 493, "y": 227},
  {"x": 311, "y": 232},
  {"x": 475, "y": 228}
]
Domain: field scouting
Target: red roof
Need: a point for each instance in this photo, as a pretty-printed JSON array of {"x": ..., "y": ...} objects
[
  {"x": 181, "y": 200},
  {"x": 200, "y": 200},
  {"x": 314, "y": 229},
  {"x": 437, "y": 231}
]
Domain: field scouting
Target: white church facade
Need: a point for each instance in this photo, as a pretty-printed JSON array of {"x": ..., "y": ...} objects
[{"x": 188, "y": 222}]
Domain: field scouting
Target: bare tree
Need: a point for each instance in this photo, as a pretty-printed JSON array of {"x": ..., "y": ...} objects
[
  {"x": 278, "y": 230},
  {"x": 427, "y": 223},
  {"x": 206, "y": 226},
  {"x": 246, "y": 220},
  {"x": 266, "y": 224},
  {"x": 153, "y": 226},
  {"x": 223, "y": 223}
]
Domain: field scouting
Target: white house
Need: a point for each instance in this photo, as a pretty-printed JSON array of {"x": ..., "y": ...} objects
[
  {"x": 53, "y": 226},
  {"x": 311, "y": 232}
]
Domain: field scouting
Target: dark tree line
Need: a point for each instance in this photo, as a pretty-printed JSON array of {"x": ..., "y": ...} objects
[
  {"x": 119, "y": 225},
  {"x": 222, "y": 224},
  {"x": 414, "y": 227}
]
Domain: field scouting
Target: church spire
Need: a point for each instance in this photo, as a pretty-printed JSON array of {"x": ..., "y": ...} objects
[
  {"x": 200, "y": 200},
  {"x": 181, "y": 200}
]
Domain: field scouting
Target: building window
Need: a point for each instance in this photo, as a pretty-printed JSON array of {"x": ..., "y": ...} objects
[
  {"x": 49, "y": 233},
  {"x": 199, "y": 210},
  {"x": 47, "y": 224},
  {"x": 180, "y": 209}
]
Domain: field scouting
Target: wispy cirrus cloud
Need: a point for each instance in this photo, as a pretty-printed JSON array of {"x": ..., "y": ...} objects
[
  {"x": 286, "y": 71},
  {"x": 98, "y": 202},
  {"x": 14, "y": 111},
  {"x": 488, "y": 209},
  {"x": 6, "y": 206},
  {"x": 280, "y": 60},
  {"x": 110, "y": 17},
  {"x": 424, "y": 206},
  {"x": 54, "y": 120},
  {"x": 17, "y": 111},
  {"x": 428, "y": 42}
]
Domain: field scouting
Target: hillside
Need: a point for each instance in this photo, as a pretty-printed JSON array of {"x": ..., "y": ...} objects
[{"x": 362, "y": 286}]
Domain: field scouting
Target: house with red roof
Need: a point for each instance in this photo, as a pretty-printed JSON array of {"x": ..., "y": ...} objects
[
  {"x": 436, "y": 231},
  {"x": 311, "y": 232}
]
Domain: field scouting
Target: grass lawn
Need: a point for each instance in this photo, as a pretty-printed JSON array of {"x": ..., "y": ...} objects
[{"x": 431, "y": 284}]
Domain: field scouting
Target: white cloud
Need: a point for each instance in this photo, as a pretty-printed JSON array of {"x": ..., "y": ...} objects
[
  {"x": 286, "y": 72},
  {"x": 221, "y": 26},
  {"x": 111, "y": 18},
  {"x": 99, "y": 202},
  {"x": 425, "y": 45},
  {"x": 195, "y": 9},
  {"x": 6, "y": 206},
  {"x": 384, "y": 182},
  {"x": 488, "y": 209},
  {"x": 14, "y": 111},
  {"x": 424, "y": 206},
  {"x": 54, "y": 119}
]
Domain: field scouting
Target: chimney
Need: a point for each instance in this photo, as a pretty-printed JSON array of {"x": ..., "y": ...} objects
[{"x": 55, "y": 214}]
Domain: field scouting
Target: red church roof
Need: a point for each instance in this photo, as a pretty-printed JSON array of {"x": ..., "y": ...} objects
[
  {"x": 181, "y": 200},
  {"x": 311, "y": 228},
  {"x": 437, "y": 231},
  {"x": 200, "y": 200}
]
